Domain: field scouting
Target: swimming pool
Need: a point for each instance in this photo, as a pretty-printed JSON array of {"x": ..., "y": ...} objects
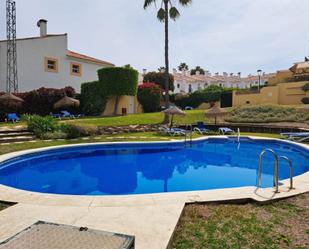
[{"x": 140, "y": 168}]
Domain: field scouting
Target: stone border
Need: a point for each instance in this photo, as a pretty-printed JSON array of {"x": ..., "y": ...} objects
[{"x": 10, "y": 194}]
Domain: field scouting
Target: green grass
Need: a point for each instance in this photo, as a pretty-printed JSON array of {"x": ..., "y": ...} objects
[
  {"x": 142, "y": 119},
  {"x": 282, "y": 224}
]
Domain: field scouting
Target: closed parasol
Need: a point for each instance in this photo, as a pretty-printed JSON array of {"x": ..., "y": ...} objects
[
  {"x": 66, "y": 102},
  {"x": 216, "y": 112},
  {"x": 174, "y": 110}
]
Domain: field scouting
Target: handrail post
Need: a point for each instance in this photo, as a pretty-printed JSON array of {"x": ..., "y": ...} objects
[
  {"x": 291, "y": 169},
  {"x": 276, "y": 175}
]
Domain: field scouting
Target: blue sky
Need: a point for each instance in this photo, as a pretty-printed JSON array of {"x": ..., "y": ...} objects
[{"x": 219, "y": 35}]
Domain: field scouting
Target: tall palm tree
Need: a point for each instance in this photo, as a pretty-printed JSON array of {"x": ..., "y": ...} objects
[{"x": 167, "y": 11}]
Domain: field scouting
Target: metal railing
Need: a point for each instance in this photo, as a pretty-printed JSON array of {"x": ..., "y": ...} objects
[
  {"x": 276, "y": 169},
  {"x": 291, "y": 169},
  {"x": 190, "y": 135},
  {"x": 276, "y": 163}
]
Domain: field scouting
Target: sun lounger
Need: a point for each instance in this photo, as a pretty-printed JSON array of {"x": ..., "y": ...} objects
[
  {"x": 225, "y": 130},
  {"x": 172, "y": 131},
  {"x": 296, "y": 136},
  {"x": 201, "y": 128},
  {"x": 12, "y": 117}
]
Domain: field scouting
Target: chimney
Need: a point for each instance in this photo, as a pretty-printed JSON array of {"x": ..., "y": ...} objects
[
  {"x": 144, "y": 71},
  {"x": 42, "y": 24},
  {"x": 184, "y": 72},
  {"x": 239, "y": 74},
  {"x": 174, "y": 70},
  {"x": 231, "y": 74},
  {"x": 225, "y": 74},
  {"x": 217, "y": 74}
]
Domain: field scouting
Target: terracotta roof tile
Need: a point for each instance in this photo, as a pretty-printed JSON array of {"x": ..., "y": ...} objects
[{"x": 88, "y": 58}]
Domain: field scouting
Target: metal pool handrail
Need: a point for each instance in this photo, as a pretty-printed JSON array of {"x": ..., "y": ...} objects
[
  {"x": 291, "y": 169},
  {"x": 276, "y": 180}
]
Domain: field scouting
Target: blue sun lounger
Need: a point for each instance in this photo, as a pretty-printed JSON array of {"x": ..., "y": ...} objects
[
  {"x": 296, "y": 136},
  {"x": 173, "y": 131},
  {"x": 201, "y": 128},
  {"x": 225, "y": 130},
  {"x": 12, "y": 117}
]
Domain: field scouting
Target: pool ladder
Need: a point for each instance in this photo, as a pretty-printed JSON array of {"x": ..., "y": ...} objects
[
  {"x": 276, "y": 168},
  {"x": 190, "y": 136}
]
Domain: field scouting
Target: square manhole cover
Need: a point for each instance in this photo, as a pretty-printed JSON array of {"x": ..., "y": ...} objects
[{"x": 44, "y": 235}]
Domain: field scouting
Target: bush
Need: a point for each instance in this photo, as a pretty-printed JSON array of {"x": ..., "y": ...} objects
[
  {"x": 149, "y": 95},
  {"x": 54, "y": 135},
  {"x": 266, "y": 113},
  {"x": 41, "y": 101},
  {"x": 195, "y": 99},
  {"x": 93, "y": 99},
  {"x": 306, "y": 87},
  {"x": 40, "y": 125},
  {"x": 159, "y": 79},
  {"x": 305, "y": 101},
  {"x": 75, "y": 131}
]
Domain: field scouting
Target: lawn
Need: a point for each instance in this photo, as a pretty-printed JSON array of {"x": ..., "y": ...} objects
[
  {"x": 280, "y": 225},
  {"x": 142, "y": 119}
]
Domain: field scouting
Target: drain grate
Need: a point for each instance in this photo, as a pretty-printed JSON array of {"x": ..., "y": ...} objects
[{"x": 44, "y": 235}]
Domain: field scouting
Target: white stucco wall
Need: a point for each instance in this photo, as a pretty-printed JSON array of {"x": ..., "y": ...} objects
[{"x": 31, "y": 55}]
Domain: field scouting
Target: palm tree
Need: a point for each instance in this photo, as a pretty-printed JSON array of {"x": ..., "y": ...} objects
[{"x": 167, "y": 11}]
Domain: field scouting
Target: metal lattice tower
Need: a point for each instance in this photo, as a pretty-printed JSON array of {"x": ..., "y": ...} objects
[{"x": 11, "y": 76}]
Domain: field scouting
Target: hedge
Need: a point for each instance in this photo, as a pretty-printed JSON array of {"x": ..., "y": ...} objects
[
  {"x": 118, "y": 81},
  {"x": 93, "y": 99}
]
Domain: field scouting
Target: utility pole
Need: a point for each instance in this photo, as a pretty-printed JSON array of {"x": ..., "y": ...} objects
[{"x": 11, "y": 74}]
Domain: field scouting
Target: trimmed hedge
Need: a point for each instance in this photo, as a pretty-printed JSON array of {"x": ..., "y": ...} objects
[
  {"x": 159, "y": 79},
  {"x": 118, "y": 81},
  {"x": 93, "y": 99},
  {"x": 149, "y": 95}
]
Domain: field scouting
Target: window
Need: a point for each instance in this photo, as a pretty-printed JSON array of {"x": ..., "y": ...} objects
[
  {"x": 190, "y": 88},
  {"x": 76, "y": 69},
  {"x": 51, "y": 65},
  {"x": 178, "y": 86}
]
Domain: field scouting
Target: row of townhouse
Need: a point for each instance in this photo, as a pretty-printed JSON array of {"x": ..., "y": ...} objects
[{"x": 186, "y": 83}]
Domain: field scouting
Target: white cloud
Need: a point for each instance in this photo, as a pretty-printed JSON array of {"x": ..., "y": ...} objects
[{"x": 220, "y": 35}]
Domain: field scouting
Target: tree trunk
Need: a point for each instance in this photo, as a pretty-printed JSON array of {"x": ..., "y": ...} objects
[
  {"x": 166, "y": 117},
  {"x": 116, "y": 105}
]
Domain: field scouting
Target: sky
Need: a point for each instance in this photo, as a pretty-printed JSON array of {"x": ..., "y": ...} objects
[{"x": 218, "y": 35}]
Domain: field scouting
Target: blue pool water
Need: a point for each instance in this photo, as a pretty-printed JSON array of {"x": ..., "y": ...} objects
[{"x": 149, "y": 168}]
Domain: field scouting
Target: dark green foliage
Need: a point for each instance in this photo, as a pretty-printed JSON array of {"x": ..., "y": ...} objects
[
  {"x": 118, "y": 81},
  {"x": 149, "y": 95},
  {"x": 40, "y": 125},
  {"x": 197, "y": 69},
  {"x": 195, "y": 99},
  {"x": 305, "y": 101},
  {"x": 159, "y": 79},
  {"x": 306, "y": 87},
  {"x": 93, "y": 98},
  {"x": 183, "y": 66}
]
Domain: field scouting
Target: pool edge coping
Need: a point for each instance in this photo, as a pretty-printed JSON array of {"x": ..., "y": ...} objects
[{"x": 260, "y": 195}]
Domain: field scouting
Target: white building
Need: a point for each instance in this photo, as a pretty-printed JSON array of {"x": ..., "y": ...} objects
[
  {"x": 186, "y": 83},
  {"x": 46, "y": 61}
]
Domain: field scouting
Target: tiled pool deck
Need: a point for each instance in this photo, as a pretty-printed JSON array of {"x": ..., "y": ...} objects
[{"x": 151, "y": 218}]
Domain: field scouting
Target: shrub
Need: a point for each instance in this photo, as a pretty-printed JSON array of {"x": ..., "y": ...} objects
[
  {"x": 305, "y": 101},
  {"x": 54, "y": 135},
  {"x": 159, "y": 79},
  {"x": 74, "y": 131},
  {"x": 195, "y": 99},
  {"x": 306, "y": 87},
  {"x": 93, "y": 99},
  {"x": 266, "y": 113},
  {"x": 149, "y": 95},
  {"x": 40, "y": 125},
  {"x": 118, "y": 81},
  {"x": 41, "y": 101}
]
